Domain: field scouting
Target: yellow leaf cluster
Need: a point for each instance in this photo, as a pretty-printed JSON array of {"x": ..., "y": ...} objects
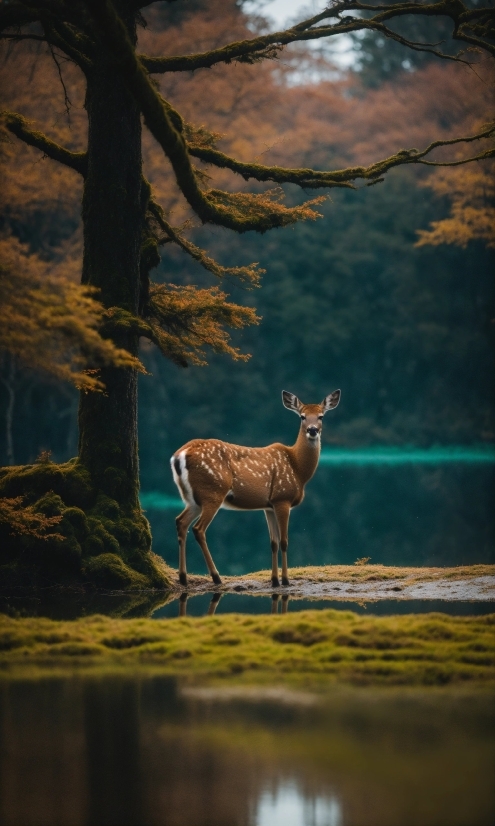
[
  {"x": 471, "y": 190},
  {"x": 263, "y": 209},
  {"x": 50, "y": 323},
  {"x": 186, "y": 320}
]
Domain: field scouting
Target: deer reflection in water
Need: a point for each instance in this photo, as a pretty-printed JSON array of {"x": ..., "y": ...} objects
[{"x": 277, "y": 599}]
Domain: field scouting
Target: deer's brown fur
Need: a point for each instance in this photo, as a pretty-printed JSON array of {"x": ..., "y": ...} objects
[{"x": 211, "y": 474}]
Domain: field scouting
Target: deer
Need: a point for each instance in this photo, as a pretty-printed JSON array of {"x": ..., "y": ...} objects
[{"x": 211, "y": 474}]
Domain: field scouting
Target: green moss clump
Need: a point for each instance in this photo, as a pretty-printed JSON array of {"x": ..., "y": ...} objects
[
  {"x": 98, "y": 541},
  {"x": 110, "y": 571},
  {"x": 321, "y": 646}
]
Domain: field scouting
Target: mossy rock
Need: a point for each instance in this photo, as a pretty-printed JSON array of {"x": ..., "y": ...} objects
[
  {"x": 71, "y": 481},
  {"x": 75, "y": 519},
  {"x": 110, "y": 571},
  {"x": 93, "y": 527}
]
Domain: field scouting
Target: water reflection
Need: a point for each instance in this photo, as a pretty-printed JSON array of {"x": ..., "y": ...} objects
[
  {"x": 66, "y": 604},
  {"x": 287, "y": 807},
  {"x": 207, "y": 604},
  {"x": 111, "y": 752},
  {"x": 214, "y": 601}
]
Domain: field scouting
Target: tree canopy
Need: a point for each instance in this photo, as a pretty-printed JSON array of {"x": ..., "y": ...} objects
[{"x": 80, "y": 32}]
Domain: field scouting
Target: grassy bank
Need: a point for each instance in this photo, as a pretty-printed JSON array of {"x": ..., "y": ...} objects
[{"x": 321, "y": 647}]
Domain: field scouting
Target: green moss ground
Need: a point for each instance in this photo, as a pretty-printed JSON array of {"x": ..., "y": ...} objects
[
  {"x": 100, "y": 543},
  {"x": 317, "y": 646}
]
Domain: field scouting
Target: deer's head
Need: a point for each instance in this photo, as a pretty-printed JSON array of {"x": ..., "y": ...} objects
[{"x": 311, "y": 415}]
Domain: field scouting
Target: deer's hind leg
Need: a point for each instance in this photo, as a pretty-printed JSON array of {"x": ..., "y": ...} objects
[
  {"x": 209, "y": 510},
  {"x": 274, "y": 532},
  {"x": 183, "y": 523}
]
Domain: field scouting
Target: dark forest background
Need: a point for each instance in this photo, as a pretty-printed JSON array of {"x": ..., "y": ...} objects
[{"x": 349, "y": 301}]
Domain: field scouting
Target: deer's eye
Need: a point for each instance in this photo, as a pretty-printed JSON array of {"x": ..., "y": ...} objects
[
  {"x": 320, "y": 418},
  {"x": 303, "y": 417}
]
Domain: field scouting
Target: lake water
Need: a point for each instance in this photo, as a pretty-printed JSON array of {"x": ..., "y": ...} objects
[
  {"x": 136, "y": 751},
  {"x": 125, "y": 751}
]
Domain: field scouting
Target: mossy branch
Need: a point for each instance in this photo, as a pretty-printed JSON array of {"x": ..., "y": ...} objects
[
  {"x": 20, "y": 127},
  {"x": 313, "y": 179},
  {"x": 238, "y": 211},
  {"x": 250, "y": 274},
  {"x": 268, "y": 46},
  {"x": 186, "y": 321}
]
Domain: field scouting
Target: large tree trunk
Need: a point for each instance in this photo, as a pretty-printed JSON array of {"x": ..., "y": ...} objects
[
  {"x": 112, "y": 217},
  {"x": 104, "y": 539}
]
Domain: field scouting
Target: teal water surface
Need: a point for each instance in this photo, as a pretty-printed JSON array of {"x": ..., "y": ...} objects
[{"x": 456, "y": 454}]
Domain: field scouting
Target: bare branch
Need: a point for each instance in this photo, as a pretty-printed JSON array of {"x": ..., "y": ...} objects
[
  {"x": 67, "y": 100},
  {"x": 18, "y": 37},
  {"x": 19, "y": 127}
]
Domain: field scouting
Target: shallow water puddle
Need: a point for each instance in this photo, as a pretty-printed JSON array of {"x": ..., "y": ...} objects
[
  {"x": 132, "y": 751},
  {"x": 199, "y": 605}
]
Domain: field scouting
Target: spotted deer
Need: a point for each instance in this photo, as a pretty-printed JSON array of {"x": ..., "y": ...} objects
[{"x": 211, "y": 474}]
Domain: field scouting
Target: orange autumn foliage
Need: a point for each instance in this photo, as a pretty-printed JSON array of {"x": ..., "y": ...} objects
[
  {"x": 24, "y": 520},
  {"x": 49, "y": 323},
  {"x": 259, "y": 117},
  {"x": 471, "y": 191},
  {"x": 186, "y": 320}
]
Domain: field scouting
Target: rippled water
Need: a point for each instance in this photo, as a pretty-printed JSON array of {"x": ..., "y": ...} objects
[{"x": 125, "y": 751}]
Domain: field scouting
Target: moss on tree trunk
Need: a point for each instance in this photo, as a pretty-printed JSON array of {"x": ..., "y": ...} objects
[{"x": 106, "y": 538}]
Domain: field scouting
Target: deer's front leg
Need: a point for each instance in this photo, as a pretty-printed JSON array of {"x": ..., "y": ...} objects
[
  {"x": 282, "y": 513},
  {"x": 273, "y": 530}
]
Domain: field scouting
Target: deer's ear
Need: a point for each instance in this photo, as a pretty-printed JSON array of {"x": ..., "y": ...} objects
[
  {"x": 331, "y": 401},
  {"x": 290, "y": 401}
]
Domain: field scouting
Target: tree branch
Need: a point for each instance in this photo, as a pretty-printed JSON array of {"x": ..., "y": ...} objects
[
  {"x": 267, "y": 46},
  {"x": 19, "y": 127},
  {"x": 250, "y": 274},
  {"x": 238, "y": 211},
  {"x": 311, "y": 179},
  {"x": 60, "y": 35},
  {"x": 19, "y": 37},
  {"x": 16, "y": 15}
]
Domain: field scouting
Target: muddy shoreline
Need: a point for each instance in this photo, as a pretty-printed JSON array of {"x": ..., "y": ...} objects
[{"x": 370, "y": 582}]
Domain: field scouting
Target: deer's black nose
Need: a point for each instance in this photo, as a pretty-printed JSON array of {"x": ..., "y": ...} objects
[{"x": 313, "y": 431}]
